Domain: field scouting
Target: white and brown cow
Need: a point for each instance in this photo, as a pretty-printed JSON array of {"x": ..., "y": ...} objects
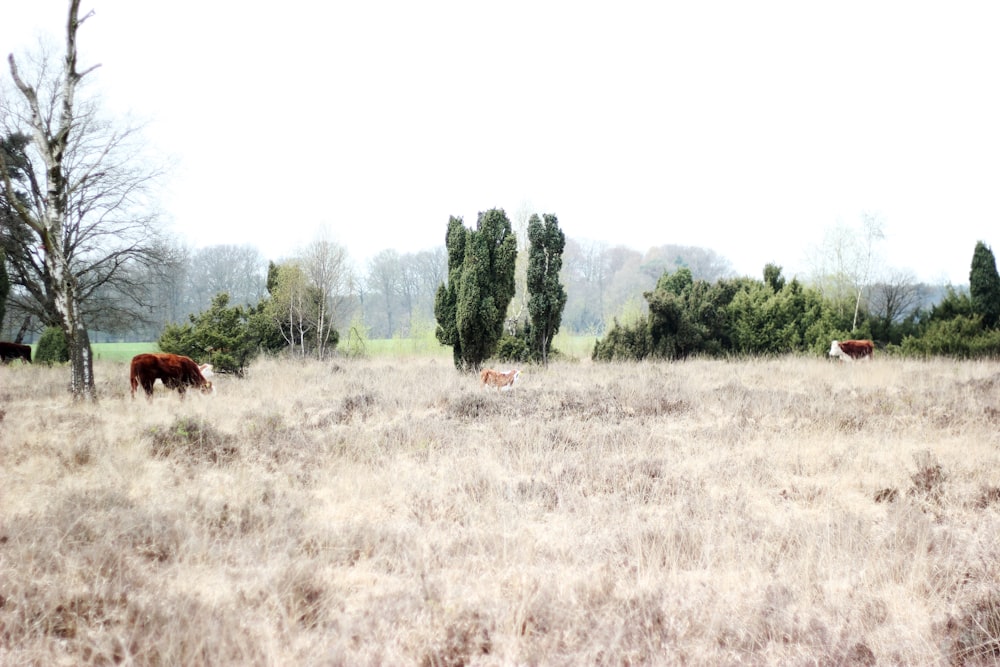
[
  {"x": 851, "y": 350},
  {"x": 502, "y": 380}
]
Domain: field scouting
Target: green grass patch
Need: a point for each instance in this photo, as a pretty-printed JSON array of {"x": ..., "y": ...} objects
[
  {"x": 405, "y": 347},
  {"x": 572, "y": 347},
  {"x": 121, "y": 351}
]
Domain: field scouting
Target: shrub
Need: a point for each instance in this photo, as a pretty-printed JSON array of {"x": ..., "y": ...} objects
[
  {"x": 193, "y": 440},
  {"x": 624, "y": 342},
  {"x": 52, "y": 347},
  {"x": 512, "y": 349},
  {"x": 220, "y": 335}
]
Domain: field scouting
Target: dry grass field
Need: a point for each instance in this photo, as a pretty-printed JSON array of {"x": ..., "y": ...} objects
[{"x": 391, "y": 512}]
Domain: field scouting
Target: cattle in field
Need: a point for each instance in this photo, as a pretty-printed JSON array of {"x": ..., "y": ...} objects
[
  {"x": 850, "y": 350},
  {"x": 11, "y": 351},
  {"x": 173, "y": 370},
  {"x": 499, "y": 379}
]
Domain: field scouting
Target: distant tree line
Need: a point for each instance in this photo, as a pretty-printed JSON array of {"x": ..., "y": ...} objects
[{"x": 608, "y": 289}]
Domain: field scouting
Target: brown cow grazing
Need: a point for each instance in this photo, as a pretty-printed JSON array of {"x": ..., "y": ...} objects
[
  {"x": 175, "y": 371},
  {"x": 10, "y": 351},
  {"x": 500, "y": 380},
  {"x": 850, "y": 350}
]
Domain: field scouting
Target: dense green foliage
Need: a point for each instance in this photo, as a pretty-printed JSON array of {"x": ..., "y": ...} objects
[
  {"x": 984, "y": 285},
  {"x": 512, "y": 349},
  {"x": 774, "y": 316},
  {"x": 446, "y": 299},
  {"x": 732, "y": 316},
  {"x": 52, "y": 347},
  {"x": 546, "y": 295},
  {"x": 227, "y": 337},
  {"x": 479, "y": 288},
  {"x": 963, "y": 336}
]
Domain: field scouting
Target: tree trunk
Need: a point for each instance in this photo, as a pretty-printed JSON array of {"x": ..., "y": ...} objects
[{"x": 64, "y": 290}]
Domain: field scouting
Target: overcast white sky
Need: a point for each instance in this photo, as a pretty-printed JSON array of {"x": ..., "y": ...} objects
[{"x": 744, "y": 127}]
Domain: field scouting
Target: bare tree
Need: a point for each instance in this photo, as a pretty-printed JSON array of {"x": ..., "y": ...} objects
[
  {"x": 79, "y": 226},
  {"x": 893, "y": 298},
  {"x": 587, "y": 272},
  {"x": 56, "y": 132},
  {"x": 705, "y": 264},
  {"x": 519, "y": 304},
  {"x": 291, "y": 301},
  {"x": 843, "y": 264},
  {"x": 238, "y": 270},
  {"x": 325, "y": 264},
  {"x": 384, "y": 287}
]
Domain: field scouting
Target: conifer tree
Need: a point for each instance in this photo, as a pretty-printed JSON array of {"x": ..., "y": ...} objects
[
  {"x": 471, "y": 308},
  {"x": 984, "y": 285},
  {"x": 546, "y": 295},
  {"x": 446, "y": 299}
]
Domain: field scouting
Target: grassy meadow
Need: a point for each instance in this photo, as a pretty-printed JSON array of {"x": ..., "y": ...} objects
[{"x": 389, "y": 511}]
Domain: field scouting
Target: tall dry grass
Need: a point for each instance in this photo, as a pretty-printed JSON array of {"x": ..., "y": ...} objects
[{"x": 788, "y": 511}]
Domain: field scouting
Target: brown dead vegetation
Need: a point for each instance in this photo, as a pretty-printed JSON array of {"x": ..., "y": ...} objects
[{"x": 787, "y": 511}]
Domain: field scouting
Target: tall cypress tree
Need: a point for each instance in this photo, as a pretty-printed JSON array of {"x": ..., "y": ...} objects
[
  {"x": 546, "y": 296},
  {"x": 984, "y": 285},
  {"x": 471, "y": 308},
  {"x": 446, "y": 299}
]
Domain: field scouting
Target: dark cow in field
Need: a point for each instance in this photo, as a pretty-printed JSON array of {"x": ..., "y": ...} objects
[
  {"x": 175, "y": 371},
  {"x": 850, "y": 350},
  {"x": 9, "y": 351}
]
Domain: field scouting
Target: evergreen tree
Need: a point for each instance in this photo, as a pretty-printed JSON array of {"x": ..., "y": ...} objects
[
  {"x": 984, "y": 285},
  {"x": 52, "y": 347},
  {"x": 471, "y": 308},
  {"x": 773, "y": 277},
  {"x": 546, "y": 295},
  {"x": 222, "y": 335},
  {"x": 446, "y": 299}
]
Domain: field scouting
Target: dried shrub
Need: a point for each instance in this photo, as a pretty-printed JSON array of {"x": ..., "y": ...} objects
[
  {"x": 988, "y": 495},
  {"x": 304, "y": 595},
  {"x": 538, "y": 491},
  {"x": 859, "y": 655},
  {"x": 975, "y": 634},
  {"x": 887, "y": 495},
  {"x": 357, "y": 405},
  {"x": 193, "y": 440},
  {"x": 475, "y": 405},
  {"x": 930, "y": 477},
  {"x": 463, "y": 639}
]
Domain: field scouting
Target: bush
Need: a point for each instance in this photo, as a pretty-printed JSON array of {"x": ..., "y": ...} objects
[
  {"x": 513, "y": 349},
  {"x": 624, "y": 342},
  {"x": 221, "y": 335},
  {"x": 52, "y": 347},
  {"x": 960, "y": 337}
]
